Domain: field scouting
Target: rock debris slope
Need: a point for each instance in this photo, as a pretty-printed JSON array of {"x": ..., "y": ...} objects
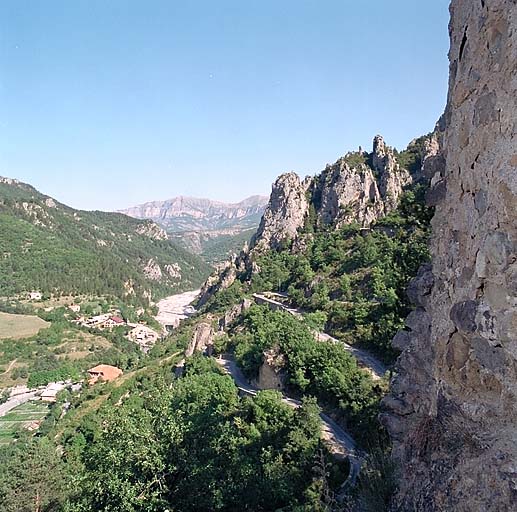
[{"x": 452, "y": 413}]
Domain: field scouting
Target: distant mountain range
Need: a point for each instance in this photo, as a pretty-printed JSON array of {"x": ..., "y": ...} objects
[
  {"x": 212, "y": 229},
  {"x": 182, "y": 214},
  {"x": 50, "y": 247}
]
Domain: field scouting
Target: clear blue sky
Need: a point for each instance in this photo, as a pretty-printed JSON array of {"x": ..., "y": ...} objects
[{"x": 109, "y": 103}]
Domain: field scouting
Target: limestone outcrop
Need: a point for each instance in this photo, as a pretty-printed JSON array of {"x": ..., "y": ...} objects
[
  {"x": 152, "y": 270},
  {"x": 222, "y": 278},
  {"x": 392, "y": 178},
  {"x": 346, "y": 194},
  {"x": 272, "y": 372},
  {"x": 152, "y": 230},
  {"x": 354, "y": 191},
  {"x": 285, "y": 214},
  {"x": 202, "y": 339},
  {"x": 232, "y": 314},
  {"x": 360, "y": 187},
  {"x": 452, "y": 412}
]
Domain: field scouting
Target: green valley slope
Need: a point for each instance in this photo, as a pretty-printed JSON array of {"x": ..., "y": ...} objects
[{"x": 53, "y": 248}]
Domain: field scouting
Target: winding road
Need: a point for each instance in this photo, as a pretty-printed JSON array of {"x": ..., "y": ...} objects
[
  {"x": 338, "y": 440},
  {"x": 376, "y": 368},
  {"x": 17, "y": 400}
]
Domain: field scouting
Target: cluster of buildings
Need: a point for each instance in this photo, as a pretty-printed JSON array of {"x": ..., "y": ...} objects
[
  {"x": 145, "y": 337},
  {"x": 49, "y": 394},
  {"x": 99, "y": 373},
  {"x": 103, "y": 322}
]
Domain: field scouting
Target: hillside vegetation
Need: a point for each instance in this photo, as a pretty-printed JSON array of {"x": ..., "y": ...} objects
[
  {"x": 356, "y": 278},
  {"x": 189, "y": 444},
  {"x": 52, "y": 248},
  {"x": 353, "y": 280},
  {"x": 180, "y": 438}
]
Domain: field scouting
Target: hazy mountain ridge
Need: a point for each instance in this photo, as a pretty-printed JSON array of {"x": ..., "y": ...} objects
[{"x": 194, "y": 214}]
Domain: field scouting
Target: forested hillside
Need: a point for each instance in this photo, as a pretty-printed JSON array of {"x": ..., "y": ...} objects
[
  {"x": 155, "y": 443},
  {"x": 49, "y": 247}
]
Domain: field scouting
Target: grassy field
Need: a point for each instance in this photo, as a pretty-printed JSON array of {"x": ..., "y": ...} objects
[
  {"x": 20, "y": 326},
  {"x": 21, "y": 418}
]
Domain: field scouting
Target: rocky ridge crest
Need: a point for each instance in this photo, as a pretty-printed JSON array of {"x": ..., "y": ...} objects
[{"x": 360, "y": 187}]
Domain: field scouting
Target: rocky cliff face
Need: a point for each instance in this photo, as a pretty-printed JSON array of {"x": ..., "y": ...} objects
[
  {"x": 354, "y": 191},
  {"x": 452, "y": 413},
  {"x": 285, "y": 213},
  {"x": 202, "y": 339},
  {"x": 233, "y": 313},
  {"x": 272, "y": 374},
  {"x": 360, "y": 187}
]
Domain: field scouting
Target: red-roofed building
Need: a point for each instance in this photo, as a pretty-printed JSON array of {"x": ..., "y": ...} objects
[
  {"x": 114, "y": 321},
  {"x": 104, "y": 372}
]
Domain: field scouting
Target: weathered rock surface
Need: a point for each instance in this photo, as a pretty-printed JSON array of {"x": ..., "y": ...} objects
[
  {"x": 232, "y": 314},
  {"x": 152, "y": 230},
  {"x": 152, "y": 270},
  {"x": 452, "y": 413},
  {"x": 221, "y": 279},
  {"x": 392, "y": 178},
  {"x": 285, "y": 213},
  {"x": 346, "y": 194},
  {"x": 346, "y": 191},
  {"x": 202, "y": 339},
  {"x": 272, "y": 372}
]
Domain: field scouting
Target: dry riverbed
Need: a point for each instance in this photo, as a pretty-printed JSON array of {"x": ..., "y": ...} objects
[{"x": 175, "y": 308}]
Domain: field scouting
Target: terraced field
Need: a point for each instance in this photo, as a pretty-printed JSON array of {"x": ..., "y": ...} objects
[{"x": 27, "y": 416}]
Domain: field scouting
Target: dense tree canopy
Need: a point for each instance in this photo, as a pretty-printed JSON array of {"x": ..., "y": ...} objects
[{"x": 197, "y": 446}]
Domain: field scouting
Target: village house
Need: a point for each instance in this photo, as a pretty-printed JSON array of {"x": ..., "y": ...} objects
[
  {"x": 143, "y": 336},
  {"x": 105, "y": 321},
  {"x": 35, "y": 296},
  {"x": 114, "y": 321},
  {"x": 104, "y": 373},
  {"x": 97, "y": 321},
  {"x": 49, "y": 394}
]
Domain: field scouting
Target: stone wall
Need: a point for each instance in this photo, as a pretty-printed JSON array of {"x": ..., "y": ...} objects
[{"x": 452, "y": 413}]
